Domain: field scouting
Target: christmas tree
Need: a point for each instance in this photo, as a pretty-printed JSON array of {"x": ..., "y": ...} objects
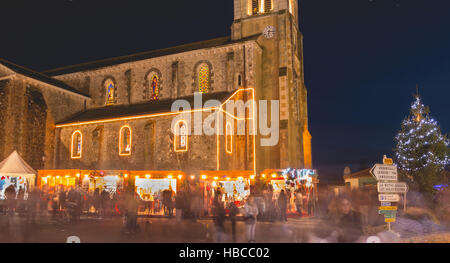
[{"x": 422, "y": 151}]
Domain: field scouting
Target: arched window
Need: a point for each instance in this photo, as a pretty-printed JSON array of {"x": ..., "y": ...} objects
[
  {"x": 267, "y": 6},
  {"x": 254, "y": 7},
  {"x": 110, "y": 92},
  {"x": 229, "y": 138},
  {"x": 77, "y": 145},
  {"x": 154, "y": 87},
  {"x": 125, "y": 141},
  {"x": 181, "y": 136},
  {"x": 203, "y": 78}
]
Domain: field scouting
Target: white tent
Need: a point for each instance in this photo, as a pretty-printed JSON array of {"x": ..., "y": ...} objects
[{"x": 15, "y": 171}]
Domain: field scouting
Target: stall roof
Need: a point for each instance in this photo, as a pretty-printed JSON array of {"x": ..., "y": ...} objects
[{"x": 14, "y": 164}]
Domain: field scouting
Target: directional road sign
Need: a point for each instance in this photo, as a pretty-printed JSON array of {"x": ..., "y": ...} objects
[
  {"x": 389, "y": 198},
  {"x": 385, "y": 172},
  {"x": 389, "y": 220},
  {"x": 388, "y": 208},
  {"x": 392, "y": 188}
]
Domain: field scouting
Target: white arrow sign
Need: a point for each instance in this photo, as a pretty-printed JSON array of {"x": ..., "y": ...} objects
[
  {"x": 392, "y": 188},
  {"x": 385, "y": 172},
  {"x": 389, "y": 198}
]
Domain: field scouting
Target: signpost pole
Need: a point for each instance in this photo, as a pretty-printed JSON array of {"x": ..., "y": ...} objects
[{"x": 404, "y": 204}]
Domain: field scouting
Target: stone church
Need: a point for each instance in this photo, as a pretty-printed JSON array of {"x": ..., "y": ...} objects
[{"x": 115, "y": 114}]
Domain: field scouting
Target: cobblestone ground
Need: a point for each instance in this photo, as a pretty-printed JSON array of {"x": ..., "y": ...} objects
[{"x": 91, "y": 230}]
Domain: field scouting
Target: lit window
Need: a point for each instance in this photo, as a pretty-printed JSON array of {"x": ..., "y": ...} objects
[
  {"x": 203, "y": 79},
  {"x": 110, "y": 92},
  {"x": 267, "y": 6},
  {"x": 154, "y": 87},
  {"x": 229, "y": 138},
  {"x": 125, "y": 141},
  {"x": 254, "y": 7},
  {"x": 181, "y": 136},
  {"x": 77, "y": 145}
]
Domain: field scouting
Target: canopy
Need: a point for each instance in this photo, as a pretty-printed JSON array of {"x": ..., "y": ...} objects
[{"x": 15, "y": 165}]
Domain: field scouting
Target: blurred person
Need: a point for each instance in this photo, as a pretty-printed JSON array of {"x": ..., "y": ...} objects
[
  {"x": 282, "y": 205},
  {"x": 348, "y": 221},
  {"x": 299, "y": 202},
  {"x": 10, "y": 195},
  {"x": 179, "y": 205},
  {"x": 131, "y": 211},
  {"x": 62, "y": 199},
  {"x": 251, "y": 212},
  {"x": 219, "y": 218},
  {"x": 233, "y": 213},
  {"x": 104, "y": 198},
  {"x": 96, "y": 200}
]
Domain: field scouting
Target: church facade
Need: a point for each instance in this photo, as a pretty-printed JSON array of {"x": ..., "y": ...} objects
[{"x": 117, "y": 114}]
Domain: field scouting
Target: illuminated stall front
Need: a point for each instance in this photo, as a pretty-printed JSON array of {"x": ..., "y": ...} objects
[
  {"x": 304, "y": 180},
  {"x": 233, "y": 185}
]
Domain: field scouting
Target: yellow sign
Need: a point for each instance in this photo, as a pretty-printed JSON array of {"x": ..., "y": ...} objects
[
  {"x": 389, "y": 220},
  {"x": 394, "y": 208},
  {"x": 388, "y": 161}
]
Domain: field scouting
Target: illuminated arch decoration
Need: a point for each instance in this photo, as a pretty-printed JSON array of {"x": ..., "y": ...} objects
[
  {"x": 204, "y": 78},
  {"x": 154, "y": 87},
  {"x": 229, "y": 138},
  {"x": 125, "y": 141},
  {"x": 181, "y": 138},
  {"x": 110, "y": 92},
  {"x": 76, "y": 147}
]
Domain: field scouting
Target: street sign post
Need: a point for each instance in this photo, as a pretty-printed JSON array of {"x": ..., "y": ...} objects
[
  {"x": 388, "y": 189},
  {"x": 384, "y": 172},
  {"x": 392, "y": 188}
]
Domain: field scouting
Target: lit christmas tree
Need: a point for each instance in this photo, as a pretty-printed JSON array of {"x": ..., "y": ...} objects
[{"x": 422, "y": 151}]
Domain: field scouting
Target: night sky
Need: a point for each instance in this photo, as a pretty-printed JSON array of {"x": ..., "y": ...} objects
[{"x": 363, "y": 58}]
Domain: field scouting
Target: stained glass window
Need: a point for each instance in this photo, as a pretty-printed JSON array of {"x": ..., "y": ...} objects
[
  {"x": 203, "y": 79},
  {"x": 154, "y": 84},
  {"x": 77, "y": 144},
  {"x": 125, "y": 141},
  {"x": 255, "y": 7},
  {"x": 181, "y": 137},
  {"x": 110, "y": 92}
]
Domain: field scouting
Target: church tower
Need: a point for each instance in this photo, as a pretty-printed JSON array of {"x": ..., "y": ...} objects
[{"x": 282, "y": 78}]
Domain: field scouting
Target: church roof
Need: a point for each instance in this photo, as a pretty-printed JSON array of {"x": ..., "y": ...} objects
[
  {"x": 14, "y": 164},
  {"x": 361, "y": 174},
  {"x": 39, "y": 76},
  {"x": 146, "y": 55},
  {"x": 148, "y": 108}
]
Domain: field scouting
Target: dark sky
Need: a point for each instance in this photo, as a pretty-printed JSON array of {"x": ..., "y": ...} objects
[{"x": 363, "y": 58}]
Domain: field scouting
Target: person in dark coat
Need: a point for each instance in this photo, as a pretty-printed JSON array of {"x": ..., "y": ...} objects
[
  {"x": 62, "y": 199},
  {"x": 219, "y": 218},
  {"x": 104, "y": 200},
  {"x": 282, "y": 205},
  {"x": 233, "y": 212},
  {"x": 348, "y": 221}
]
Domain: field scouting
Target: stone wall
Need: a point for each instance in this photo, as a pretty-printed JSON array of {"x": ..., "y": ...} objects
[
  {"x": 152, "y": 148},
  {"x": 177, "y": 74},
  {"x": 3, "y": 116},
  {"x": 28, "y": 110}
]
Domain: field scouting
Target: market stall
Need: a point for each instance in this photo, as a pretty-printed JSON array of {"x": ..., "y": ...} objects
[{"x": 14, "y": 171}]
